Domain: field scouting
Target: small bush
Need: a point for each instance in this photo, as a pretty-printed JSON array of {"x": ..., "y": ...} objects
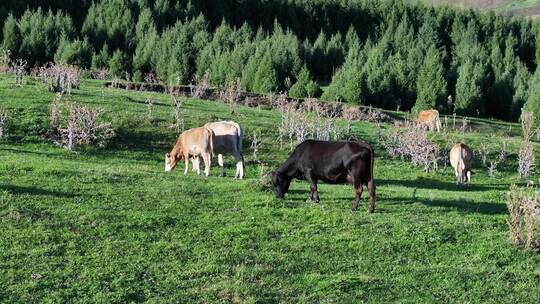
[
  {"x": 231, "y": 94},
  {"x": 76, "y": 125},
  {"x": 60, "y": 78},
  {"x": 411, "y": 143},
  {"x": 201, "y": 86},
  {"x": 524, "y": 219}
]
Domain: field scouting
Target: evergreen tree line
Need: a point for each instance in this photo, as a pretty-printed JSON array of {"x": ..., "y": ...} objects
[{"x": 381, "y": 53}]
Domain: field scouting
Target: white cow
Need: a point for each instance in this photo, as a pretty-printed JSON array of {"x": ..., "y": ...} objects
[
  {"x": 461, "y": 160},
  {"x": 228, "y": 137}
]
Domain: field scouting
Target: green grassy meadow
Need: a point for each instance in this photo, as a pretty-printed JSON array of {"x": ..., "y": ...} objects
[
  {"x": 518, "y": 7},
  {"x": 108, "y": 225}
]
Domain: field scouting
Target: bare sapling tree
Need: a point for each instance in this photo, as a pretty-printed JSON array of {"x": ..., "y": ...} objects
[
  {"x": 115, "y": 83},
  {"x": 232, "y": 94},
  {"x": 77, "y": 125},
  {"x": 483, "y": 152},
  {"x": 201, "y": 86},
  {"x": 60, "y": 78},
  {"x": 3, "y": 121},
  {"x": 263, "y": 182},
  {"x": 19, "y": 67},
  {"x": 299, "y": 126},
  {"x": 56, "y": 112},
  {"x": 177, "y": 102},
  {"x": 464, "y": 126},
  {"x": 412, "y": 143},
  {"x": 503, "y": 153},
  {"x": 280, "y": 102},
  {"x": 102, "y": 74},
  {"x": 350, "y": 114},
  {"x": 492, "y": 168},
  {"x": 150, "y": 79},
  {"x": 526, "y": 151},
  {"x": 149, "y": 109},
  {"x": 524, "y": 209},
  {"x": 256, "y": 144}
]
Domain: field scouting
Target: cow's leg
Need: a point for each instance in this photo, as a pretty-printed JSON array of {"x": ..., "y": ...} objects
[
  {"x": 195, "y": 162},
  {"x": 220, "y": 162},
  {"x": 239, "y": 165},
  {"x": 314, "y": 193},
  {"x": 469, "y": 177},
  {"x": 207, "y": 162},
  {"x": 371, "y": 189},
  {"x": 359, "y": 188},
  {"x": 456, "y": 173},
  {"x": 186, "y": 161}
]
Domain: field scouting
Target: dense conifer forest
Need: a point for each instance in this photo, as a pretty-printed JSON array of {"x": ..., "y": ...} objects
[{"x": 381, "y": 53}]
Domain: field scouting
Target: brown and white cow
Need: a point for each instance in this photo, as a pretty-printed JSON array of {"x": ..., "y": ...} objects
[
  {"x": 461, "y": 159},
  {"x": 429, "y": 119},
  {"x": 193, "y": 143},
  {"x": 228, "y": 138}
]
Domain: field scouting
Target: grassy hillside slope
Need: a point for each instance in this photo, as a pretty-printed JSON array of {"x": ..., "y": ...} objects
[
  {"x": 515, "y": 7},
  {"x": 109, "y": 225}
]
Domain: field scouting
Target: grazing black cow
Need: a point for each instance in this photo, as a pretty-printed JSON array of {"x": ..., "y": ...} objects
[{"x": 332, "y": 162}]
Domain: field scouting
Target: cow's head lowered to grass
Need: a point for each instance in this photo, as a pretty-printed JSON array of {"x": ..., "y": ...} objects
[
  {"x": 281, "y": 184},
  {"x": 171, "y": 159}
]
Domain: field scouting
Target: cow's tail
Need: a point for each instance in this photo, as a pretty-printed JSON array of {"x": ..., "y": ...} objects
[
  {"x": 210, "y": 136},
  {"x": 239, "y": 142},
  {"x": 372, "y": 163},
  {"x": 460, "y": 166}
]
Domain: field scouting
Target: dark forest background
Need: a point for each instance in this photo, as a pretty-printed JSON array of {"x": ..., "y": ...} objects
[{"x": 381, "y": 53}]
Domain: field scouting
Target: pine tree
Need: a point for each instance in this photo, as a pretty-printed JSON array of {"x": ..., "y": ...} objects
[
  {"x": 266, "y": 78},
  {"x": 118, "y": 64},
  {"x": 78, "y": 53},
  {"x": 304, "y": 86},
  {"x": 521, "y": 87},
  {"x": 12, "y": 36},
  {"x": 101, "y": 59},
  {"x": 533, "y": 101},
  {"x": 469, "y": 89},
  {"x": 431, "y": 85}
]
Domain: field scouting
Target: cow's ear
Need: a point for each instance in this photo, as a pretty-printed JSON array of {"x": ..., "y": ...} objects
[{"x": 168, "y": 155}]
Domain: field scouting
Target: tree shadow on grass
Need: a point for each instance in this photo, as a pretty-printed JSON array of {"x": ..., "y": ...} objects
[
  {"x": 461, "y": 205},
  {"x": 41, "y": 153},
  {"x": 424, "y": 183},
  {"x": 146, "y": 142},
  {"x": 143, "y": 102},
  {"x": 467, "y": 206},
  {"x": 35, "y": 191}
]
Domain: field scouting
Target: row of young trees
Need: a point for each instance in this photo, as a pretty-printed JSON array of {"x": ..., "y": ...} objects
[{"x": 382, "y": 53}]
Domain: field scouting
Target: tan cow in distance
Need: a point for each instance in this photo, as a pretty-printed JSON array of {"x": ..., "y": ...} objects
[
  {"x": 429, "y": 118},
  {"x": 193, "y": 143},
  {"x": 461, "y": 160},
  {"x": 228, "y": 136}
]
